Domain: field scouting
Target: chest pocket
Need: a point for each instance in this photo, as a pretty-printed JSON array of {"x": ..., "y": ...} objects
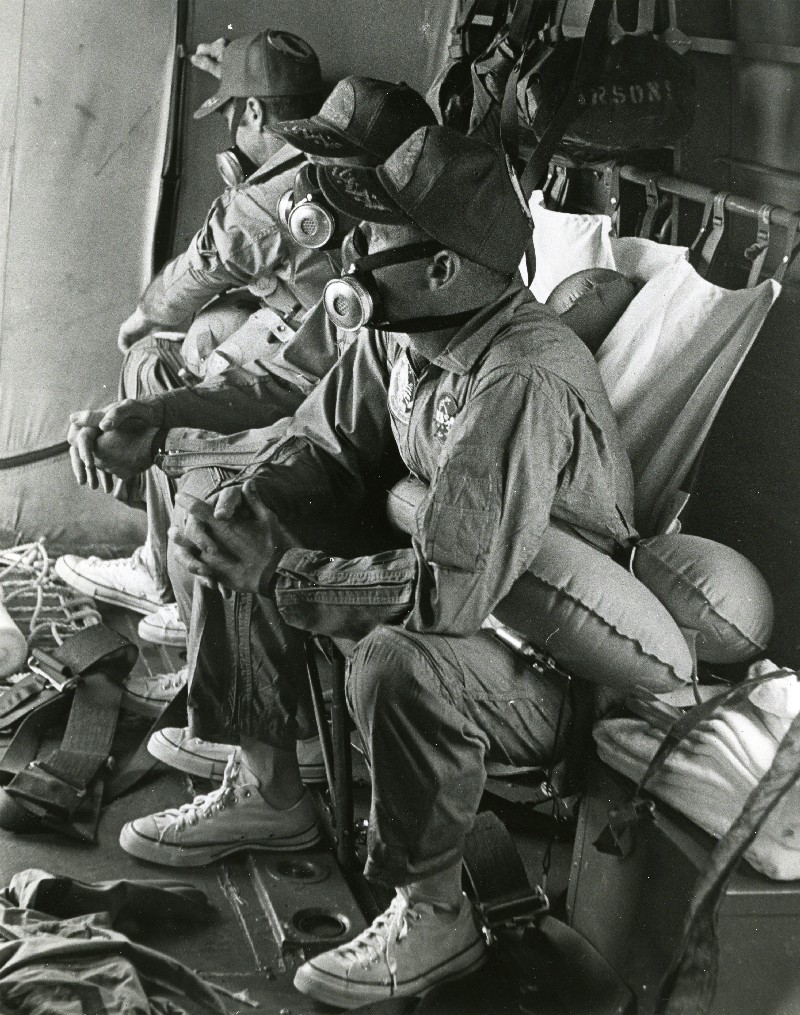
[{"x": 461, "y": 520}]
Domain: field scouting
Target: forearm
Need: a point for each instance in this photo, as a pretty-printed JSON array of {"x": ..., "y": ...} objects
[
  {"x": 181, "y": 289},
  {"x": 229, "y": 403},
  {"x": 186, "y": 449}
]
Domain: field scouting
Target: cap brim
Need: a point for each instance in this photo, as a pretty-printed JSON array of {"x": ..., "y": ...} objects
[
  {"x": 211, "y": 105},
  {"x": 316, "y": 138},
  {"x": 358, "y": 192}
]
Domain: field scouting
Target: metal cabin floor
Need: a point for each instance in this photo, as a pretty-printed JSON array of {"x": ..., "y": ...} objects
[{"x": 237, "y": 947}]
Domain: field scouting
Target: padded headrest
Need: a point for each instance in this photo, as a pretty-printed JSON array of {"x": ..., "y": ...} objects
[{"x": 591, "y": 302}]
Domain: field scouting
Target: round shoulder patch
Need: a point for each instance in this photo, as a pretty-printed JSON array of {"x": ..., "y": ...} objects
[{"x": 446, "y": 412}]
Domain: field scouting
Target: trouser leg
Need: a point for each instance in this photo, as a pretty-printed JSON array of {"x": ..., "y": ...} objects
[
  {"x": 247, "y": 673},
  {"x": 150, "y": 367},
  {"x": 431, "y": 711},
  {"x": 246, "y": 665}
]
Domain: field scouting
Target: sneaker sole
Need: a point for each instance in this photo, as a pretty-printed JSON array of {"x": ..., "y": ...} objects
[
  {"x": 200, "y": 856},
  {"x": 346, "y": 994},
  {"x": 105, "y": 594},
  {"x": 142, "y": 706},
  {"x": 159, "y": 637},
  {"x": 206, "y": 768},
  {"x": 184, "y": 761}
]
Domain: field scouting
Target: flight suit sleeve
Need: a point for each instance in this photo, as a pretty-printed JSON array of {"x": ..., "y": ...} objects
[
  {"x": 478, "y": 529},
  {"x": 337, "y": 438},
  {"x": 234, "y": 247}
]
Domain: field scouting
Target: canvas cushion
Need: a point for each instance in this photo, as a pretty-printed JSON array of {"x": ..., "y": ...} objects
[
  {"x": 590, "y": 614},
  {"x": 591, "y": 302},
  {"x": 711, "y": 589}
]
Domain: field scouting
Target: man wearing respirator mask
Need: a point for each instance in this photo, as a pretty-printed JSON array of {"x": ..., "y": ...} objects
[
  {"x": 239, "y": 264},
  {"x": 499, "y": 408},
  {"x": 361, "y": 122}
]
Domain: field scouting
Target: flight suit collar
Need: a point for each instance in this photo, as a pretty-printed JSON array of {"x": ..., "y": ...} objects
[
  {"x": 471, "y": 341},
  {"x": 275, "y": 163}
]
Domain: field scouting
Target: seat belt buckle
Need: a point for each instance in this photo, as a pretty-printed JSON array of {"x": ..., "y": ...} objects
[
  {"x": 56, "y": 674},
  {"x": 46, "y": 794},
  {"x": 515, "y": 912}
]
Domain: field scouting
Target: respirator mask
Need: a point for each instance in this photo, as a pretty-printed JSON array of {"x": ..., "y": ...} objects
[
  {"x": 353, "y": 301},
  {"x": 233, "y": 165},
  {"x": 308, "y": 218}
]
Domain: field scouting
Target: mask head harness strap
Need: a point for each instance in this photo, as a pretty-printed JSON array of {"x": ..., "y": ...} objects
[{"x": 353, "y": 301}]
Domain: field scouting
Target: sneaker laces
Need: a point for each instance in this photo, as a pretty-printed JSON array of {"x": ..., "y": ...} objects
[
  {"x": 206, "y": 804},
  {"x": 38, "y": 600},
  {"x": 379, "y": 939},
  {"x": 135, "y": 562}
]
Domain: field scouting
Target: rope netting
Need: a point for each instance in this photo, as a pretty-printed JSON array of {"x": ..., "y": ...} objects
[{"x": 45, "y": 609}]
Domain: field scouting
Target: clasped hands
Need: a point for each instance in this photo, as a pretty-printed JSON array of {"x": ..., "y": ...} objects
[
  {"x": 115, "y": 441},
  {"x": 230, "y": 541}
]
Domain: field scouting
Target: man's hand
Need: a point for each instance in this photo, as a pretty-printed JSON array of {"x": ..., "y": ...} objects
[
  {"x": 235, "y": 541},
  {"x": 84, "y": 430},
  {"x": 135, "y": 328},
  {"x": 207, "y": 57},
  {"x": 125, "y": 454},
  {"x": 129, "y": 414},
  {"x": 117, "y": 439}
]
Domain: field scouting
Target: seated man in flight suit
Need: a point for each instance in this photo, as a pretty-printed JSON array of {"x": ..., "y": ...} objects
[
  {"x": 499, "y": 408},
  {"x": 241, "y": 243},
  {"x": 362, "y": 121}
]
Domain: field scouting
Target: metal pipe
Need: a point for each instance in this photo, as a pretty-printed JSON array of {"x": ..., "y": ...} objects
[
  {"x": 698, "y": 193},
  {"x": 320, "y": 715},
  {"x": 343, "y": 769}
]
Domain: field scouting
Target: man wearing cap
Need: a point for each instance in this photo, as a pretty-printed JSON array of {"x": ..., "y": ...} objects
[
  {"x": 362, "y": 121},
  {"x": 499, "y": 408}
]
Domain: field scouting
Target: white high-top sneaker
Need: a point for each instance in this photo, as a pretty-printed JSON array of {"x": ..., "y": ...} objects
[
  {"x": 207, "y": 760},
  {"x": 232, "y": 818},
  {"x": 408, "y": 949},
  {"x": 124, "y": 581},
  {"x": 164, "y": 627},
  {"x": 148, "y": 695}
]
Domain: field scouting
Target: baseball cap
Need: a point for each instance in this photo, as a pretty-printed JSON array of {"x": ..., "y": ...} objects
[
  {"x": 362, "y": 116},
  {"x": 270, "y": 64},
  {"x": 456, "y": 188}
]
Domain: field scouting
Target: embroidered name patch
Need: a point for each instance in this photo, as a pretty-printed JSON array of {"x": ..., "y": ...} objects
[
  {"x": 402, "y": 388},
  {"x": 446, "y": 412}
]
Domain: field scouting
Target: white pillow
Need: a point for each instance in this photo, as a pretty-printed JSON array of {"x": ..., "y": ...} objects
[{"x": 566, "y": 243}]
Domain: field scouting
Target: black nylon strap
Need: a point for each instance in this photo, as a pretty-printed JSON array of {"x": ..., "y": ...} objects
[
  {"x": 85, "y": 650},
  {"x": 58, "y": 789},
  {"x": 141, "y": 762},
  {"x": 20, "y": 693},
  {"x": 618, "y": 836},
  {"x": 690, "y": 982},
  {"x": 588, "y": 63},
  {"x": 789, "y": 251},
  {"x": 757, "y": 253}
]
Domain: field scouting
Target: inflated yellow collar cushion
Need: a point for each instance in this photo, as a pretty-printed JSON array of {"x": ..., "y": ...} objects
[{"x": 711, "y": 589}]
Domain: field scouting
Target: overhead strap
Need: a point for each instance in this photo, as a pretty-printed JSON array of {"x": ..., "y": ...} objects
[
  {"x": 757, "y": 252},
  {"x": 691, "y": 979},
  {"x": 653, "y": 198},
  {"x": 588, "y": 64},
  {"x": 704, "y": 247},
  {"x": 93, "y": 664},
  {"x": 789, "y": 251},
  {"x": 611, "y": 182}
]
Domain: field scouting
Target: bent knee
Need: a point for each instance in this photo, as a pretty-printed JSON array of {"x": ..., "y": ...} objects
[{"x": 384, "y": 666}]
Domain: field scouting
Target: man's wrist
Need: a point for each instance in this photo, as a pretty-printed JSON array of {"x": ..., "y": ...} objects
[{"x": 158, "y": 444}]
